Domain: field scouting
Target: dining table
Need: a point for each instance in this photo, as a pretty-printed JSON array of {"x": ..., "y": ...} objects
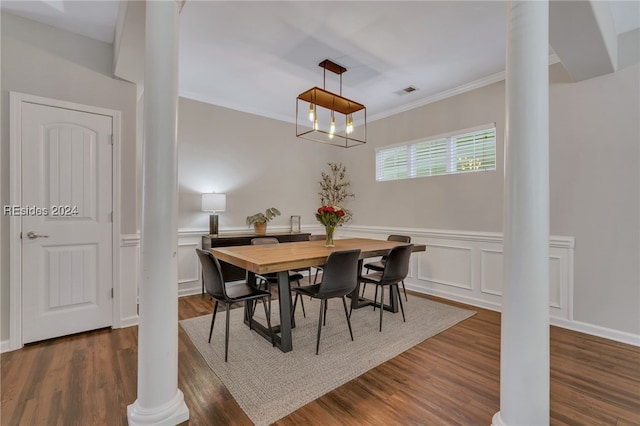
[{"x": 283, "y": 257}]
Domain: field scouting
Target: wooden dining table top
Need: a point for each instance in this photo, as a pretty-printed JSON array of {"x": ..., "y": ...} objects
[{"x": 262, "y": 259}]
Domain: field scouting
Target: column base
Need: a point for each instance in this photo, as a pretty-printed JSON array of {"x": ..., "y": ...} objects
[
  {"x": 497, "y": 420},
  {"x": 170, "y": 414}
]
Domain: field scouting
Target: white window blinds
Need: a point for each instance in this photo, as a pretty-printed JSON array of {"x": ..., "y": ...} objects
[{"x": 465, "y": 151}]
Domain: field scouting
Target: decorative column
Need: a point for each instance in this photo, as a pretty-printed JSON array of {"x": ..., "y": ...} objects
[
  {"x": 159, "y": 401},
  {"x": 524, "y": 373}
]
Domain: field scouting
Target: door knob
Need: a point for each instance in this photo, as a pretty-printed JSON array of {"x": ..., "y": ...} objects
[{"x": 33, "y": 235}]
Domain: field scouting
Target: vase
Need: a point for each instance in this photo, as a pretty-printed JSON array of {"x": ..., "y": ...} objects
[
  {"x": 260, "y": 228},
  {"x": 329, "y": 231}
]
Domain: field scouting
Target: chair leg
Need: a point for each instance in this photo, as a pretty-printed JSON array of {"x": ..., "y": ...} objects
[
  {"x": 268, "y": 315},
  {"x": 295, "y": 303},
  {"x": 323, "y": 303},
  {"x": 326, "y": 303},
  {"x": 381, "y": 305},
  {"x": 226, "y": 335},
  {"x": 344, "y": 303},
  {"x": 404, "y": 289},
  {"x": 213, "y": 319},
  {"x": 400, "y": 300},
  {"x": 375, "y": 297},
  {"x": 304, "y": 313}
]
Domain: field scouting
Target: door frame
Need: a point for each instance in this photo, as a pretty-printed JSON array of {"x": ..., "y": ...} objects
[{"x": 16, "y": 100}]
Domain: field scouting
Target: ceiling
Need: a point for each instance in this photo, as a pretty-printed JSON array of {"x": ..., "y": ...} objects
[{"x": 258, "y": 56}]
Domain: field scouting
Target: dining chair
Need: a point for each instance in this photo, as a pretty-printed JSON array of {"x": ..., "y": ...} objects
[
  {"x": 340, "y": 277},
  {"x": 240, "y": 292},
  {"x": 379, "y": 265},
  {"x": 396, "y": 268},
  {"x": 271, "y": 279},
  {"x": 318, "y": 268}
]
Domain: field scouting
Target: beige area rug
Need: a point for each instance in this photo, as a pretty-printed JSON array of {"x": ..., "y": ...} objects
[{"x": 269, "y": 384}]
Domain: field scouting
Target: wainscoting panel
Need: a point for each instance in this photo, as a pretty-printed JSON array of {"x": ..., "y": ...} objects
[
  {"x": 467, "y": 266},
  {"x": 491, "y": 272},
  {"x": 129, "y": 279},
  {"x": 447, "y": 265},
  {"x": 189, "y": 270}
]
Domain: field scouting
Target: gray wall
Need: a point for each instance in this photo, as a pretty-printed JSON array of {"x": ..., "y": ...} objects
[
  {"x": 44, "y": 61},
  {"x": 258, "y": 162},
  {"x": 594, "y": 177}
]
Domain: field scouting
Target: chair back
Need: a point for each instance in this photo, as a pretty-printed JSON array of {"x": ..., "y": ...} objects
[
  {"x": 399, "y": 238},
  {"x": 264, "y": 241},
  {"x": 340, "y": 276},
  {"x": 212, "y": 274},
  {"x": 317, "y": 237},
  {"x": 396, "y": 266}
]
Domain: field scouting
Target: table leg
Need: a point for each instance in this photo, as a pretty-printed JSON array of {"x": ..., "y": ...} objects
[{"x": 284, "y": 297}]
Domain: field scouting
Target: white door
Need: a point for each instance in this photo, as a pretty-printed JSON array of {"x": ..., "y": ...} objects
[{"x": 67, "y": 240}]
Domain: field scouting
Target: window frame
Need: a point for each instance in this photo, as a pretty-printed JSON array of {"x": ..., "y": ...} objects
[{"x": 450, "y": 161}]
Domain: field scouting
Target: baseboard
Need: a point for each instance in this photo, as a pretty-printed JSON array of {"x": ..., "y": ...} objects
[
  {"x": 480, "y": 303},
  {"x": 189, "y": 291},
  {"x": 129, "y": 321},
  {"x": 5, "y": 346},
  {"x": 596, "y": 330},
  {"x": 581, "y": 327}
]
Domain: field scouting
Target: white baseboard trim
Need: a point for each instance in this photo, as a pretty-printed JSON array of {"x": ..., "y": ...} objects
[
  {"x": 596, "y": 330},
  {"x": 454, "y": 297},
  {"x": 189, "y": 291},
  {"x": 5, "y": 346},
  {"x": 581, "y": 327},
  {"x": 129, "y": 321}
]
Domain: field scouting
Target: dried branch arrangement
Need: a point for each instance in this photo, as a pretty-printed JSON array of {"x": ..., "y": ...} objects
[{"x": 334, "y": 189}]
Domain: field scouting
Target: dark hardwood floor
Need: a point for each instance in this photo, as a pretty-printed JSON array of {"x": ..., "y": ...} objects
[{"x": 449, "y": 379}]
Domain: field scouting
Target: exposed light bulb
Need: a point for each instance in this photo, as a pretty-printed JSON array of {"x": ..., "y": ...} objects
[
  {"x": 312, "y": 112},
  {"x": 332, "y": 126},
  {"x": 349, "y": 128},
  {"x": 315, "y": 123}
]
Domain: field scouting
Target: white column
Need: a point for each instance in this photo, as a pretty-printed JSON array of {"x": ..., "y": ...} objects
[
  {"x": 524, "y": 373},
  {"x": 159, "y": 401}
]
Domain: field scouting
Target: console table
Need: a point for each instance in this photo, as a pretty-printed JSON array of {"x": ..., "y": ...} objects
[{"x": 234, "y": 273}]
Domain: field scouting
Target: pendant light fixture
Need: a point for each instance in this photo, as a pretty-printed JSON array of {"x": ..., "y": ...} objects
[{"x": 333, "y": 118}]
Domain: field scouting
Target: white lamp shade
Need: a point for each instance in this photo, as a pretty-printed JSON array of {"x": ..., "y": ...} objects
[{"x": 214, "y": 202}]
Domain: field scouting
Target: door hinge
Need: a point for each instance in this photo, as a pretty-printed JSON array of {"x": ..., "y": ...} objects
[
  {"x": 112, "y": 292},
  {"x": 112, "y": 139},
  {"x": 111, "y": 217},
  {"x": 20, "y": 235}
]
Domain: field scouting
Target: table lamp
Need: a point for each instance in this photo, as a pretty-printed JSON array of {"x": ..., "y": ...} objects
[{"x": 213, "y": 203}]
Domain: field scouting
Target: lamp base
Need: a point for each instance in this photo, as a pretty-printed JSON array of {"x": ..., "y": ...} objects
[{"x": 213, "y": 224}]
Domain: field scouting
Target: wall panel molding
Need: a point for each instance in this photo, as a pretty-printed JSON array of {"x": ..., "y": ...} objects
[{"x": 485, "y": 289}]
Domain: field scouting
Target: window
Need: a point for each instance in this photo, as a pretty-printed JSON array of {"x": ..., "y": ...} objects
[{"x": 468, "y": 150}]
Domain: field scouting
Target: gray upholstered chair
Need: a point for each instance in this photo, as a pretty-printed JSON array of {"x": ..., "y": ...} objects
[
  {"x": 396, "y": 268},
  {"x": 340, "y": 277},
  {"x": 379, "y": 265},
  {"x": 216, "y": 288}
]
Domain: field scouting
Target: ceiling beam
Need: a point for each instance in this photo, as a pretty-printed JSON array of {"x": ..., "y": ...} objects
[
  {"x": 128, "y": 50},
  {"x": 583, "y": 35}
]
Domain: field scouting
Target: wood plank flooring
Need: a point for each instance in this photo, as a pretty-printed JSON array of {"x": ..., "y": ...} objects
[{"x": 450, "y": 379}]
